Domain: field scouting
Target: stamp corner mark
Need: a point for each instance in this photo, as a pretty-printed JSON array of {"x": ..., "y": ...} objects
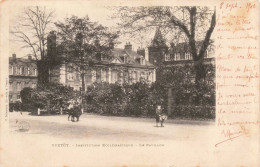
[{"x": 23, "y": 126}]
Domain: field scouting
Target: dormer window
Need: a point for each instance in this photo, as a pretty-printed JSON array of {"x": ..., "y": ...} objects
[
  {"x": 167, "y": 57},
  {"x": 35, "y": 72},
  {"x": 177, "y": 56},
  {"x": 124, "y": 58}
]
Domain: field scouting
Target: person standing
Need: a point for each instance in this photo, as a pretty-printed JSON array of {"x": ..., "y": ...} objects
[{"x": 158, "y": 113}]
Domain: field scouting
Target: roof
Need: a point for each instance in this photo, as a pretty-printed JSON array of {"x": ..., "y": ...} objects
[
  {"x": 158, "y": 40},
  {"x": 21, "y": 60},
  {"x": 132, "y": 57},
  {"x": 184, "y": 47}
]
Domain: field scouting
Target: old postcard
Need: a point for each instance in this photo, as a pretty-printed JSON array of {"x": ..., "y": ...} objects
[{"x": 129, "y": 83}]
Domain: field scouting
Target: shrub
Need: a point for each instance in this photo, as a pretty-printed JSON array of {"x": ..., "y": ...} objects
[{"x": 52, "y": 96}]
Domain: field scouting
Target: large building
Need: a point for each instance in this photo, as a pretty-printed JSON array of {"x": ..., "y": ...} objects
[
  {"x": 122, "y": 66},
  {"x": 125, "y": 66},
  {"x": 22, "y": 73}
]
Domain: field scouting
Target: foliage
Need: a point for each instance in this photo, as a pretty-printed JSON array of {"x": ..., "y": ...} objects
[
  {"x": 51, "y": 96},
  {"x": 26, "y": 95},
  {"x": 137, "y": 98},
  {"x": 185, "y": 89},
  {"x": 141, "y": 99},
  {"x": 81, "y": 41},
  {"x": 193, "y": 112}
]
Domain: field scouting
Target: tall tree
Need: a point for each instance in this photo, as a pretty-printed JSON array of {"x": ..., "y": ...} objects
[
  {"x": 83, "y": 42},
  {"x": 191, "y": 24},
  {"x": 31, "y": 30}
]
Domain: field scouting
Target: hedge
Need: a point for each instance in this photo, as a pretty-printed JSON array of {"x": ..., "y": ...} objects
[{"x": 193, "y": 112}]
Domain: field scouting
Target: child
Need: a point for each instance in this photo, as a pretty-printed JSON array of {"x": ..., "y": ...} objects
[{"x": 158, "y": 113}]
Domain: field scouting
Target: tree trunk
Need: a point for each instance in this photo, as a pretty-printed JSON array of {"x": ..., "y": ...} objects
[
  {"x": 43, "y": 72},
  {"x": 82, "y": 89},
  {"x": 200, "y": 75}
]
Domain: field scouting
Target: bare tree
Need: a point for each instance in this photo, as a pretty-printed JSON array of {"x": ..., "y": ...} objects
[
  {"x": 31, "y": 31},
  {"x": 192, "y": 24}
]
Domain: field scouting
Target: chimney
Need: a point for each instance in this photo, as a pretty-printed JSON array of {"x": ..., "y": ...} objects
[
  {"x": 128, "y": 46},
  {"x": 29, "y": 57},
  {"x": 146, "y": 54},
  {"x": 14, "y": 56},
  {"x": 141, "y": 51}
]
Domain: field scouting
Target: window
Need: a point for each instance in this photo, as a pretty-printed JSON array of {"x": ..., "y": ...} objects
[
  {"x": 176, "y": 56},
  {"x": 13, "y": 87},
  {"x": 186, "y": 56},
  {"x": 22, "y": 71},
  {"x": 167, "y": 57},
  {"x": 18, "y": 97},
  {"x": 35, "y": 72},
  {"x": 10, "y": 86},
  {"x": 114, "y": 76},
  {"x": 189, "y": 56},
  {"x": 70, "y": 76},
  {"x": 28, "y": 71},
  {"x": 103, "y": 75},
  {"x": 11, "y": 72},
  {"x": 17, "y": 71},
  {"x": 19, "y": 86},
  {"x": 134, "y": 77},
  {"x": 150, "y": 78}
]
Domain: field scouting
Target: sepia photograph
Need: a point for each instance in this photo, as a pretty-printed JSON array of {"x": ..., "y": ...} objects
[
  {"x": 133, "y": 73},
  {"x": 129, "y": 83}
]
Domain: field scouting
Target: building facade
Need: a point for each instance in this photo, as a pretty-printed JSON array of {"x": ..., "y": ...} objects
[
  {"x": 22, "y": 73},
  {"x": 178, "y": 55},
  {"x": 123, "y": 66}
]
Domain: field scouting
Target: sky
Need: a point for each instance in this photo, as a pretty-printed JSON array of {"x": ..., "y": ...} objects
[{"x": 96, "y": 12}]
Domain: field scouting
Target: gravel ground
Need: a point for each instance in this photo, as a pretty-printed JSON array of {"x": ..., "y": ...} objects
[
  {"x": 108, "y": 127},
  {"x": 54, "y": 141}
]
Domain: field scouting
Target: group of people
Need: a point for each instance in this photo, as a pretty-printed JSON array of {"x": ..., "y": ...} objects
[{"x": 74, "y": 111}]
